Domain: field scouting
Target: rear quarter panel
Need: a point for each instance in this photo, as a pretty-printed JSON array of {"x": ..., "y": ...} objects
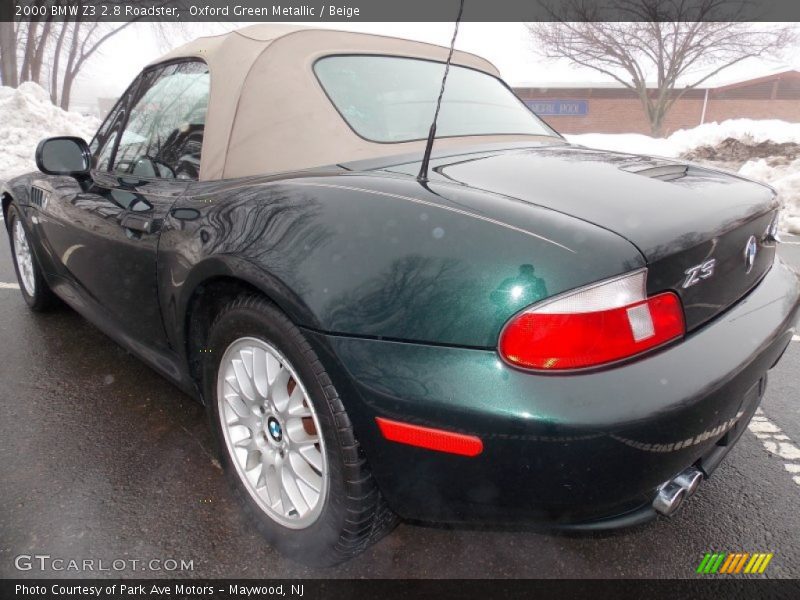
[{"x": 382, "y": 256}]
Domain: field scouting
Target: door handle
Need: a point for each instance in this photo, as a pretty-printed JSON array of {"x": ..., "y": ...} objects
[{"x": 140, "y": 223}]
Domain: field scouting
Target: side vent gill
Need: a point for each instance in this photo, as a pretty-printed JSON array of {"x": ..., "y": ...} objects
[{"x": 37, "y": 196}]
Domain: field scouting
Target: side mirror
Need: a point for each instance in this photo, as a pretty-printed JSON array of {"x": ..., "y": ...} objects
[{"x": 63, "y": 156}]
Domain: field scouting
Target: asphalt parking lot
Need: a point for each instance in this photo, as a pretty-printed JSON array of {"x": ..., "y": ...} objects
[{"x": 100, "y": 458}]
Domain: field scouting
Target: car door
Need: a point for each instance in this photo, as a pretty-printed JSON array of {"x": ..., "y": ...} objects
[{"x": 103, "y": 234}]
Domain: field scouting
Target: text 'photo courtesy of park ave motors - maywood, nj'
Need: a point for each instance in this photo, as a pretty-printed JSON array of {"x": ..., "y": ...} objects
[
  {"x": 161, "y": 589},
  {"x": 297, "y": 299}
]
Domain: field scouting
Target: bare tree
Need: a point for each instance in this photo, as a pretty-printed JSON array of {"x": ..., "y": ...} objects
[
  {"x": 8, "y": 54},
  {"x": 37, "y": 35},
  {"x": 64, "y": 46},
  {"x": 22, "y": 48},
  {"x": 25, "y": 48},
  {"x": 84, "y": 39},
  {"x": 662, "y": 42}
]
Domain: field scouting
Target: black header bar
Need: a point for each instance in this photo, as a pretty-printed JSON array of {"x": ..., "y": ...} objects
[
  {"x": 388, "y": 589},
  {"x": 337, "y": 11}
]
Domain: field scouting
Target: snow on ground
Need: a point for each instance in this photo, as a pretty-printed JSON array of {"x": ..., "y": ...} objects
[
  {"x": 26, "y": 117},
  {"x": 748, "y": 130},
  {"x": 781, "y": 171}
]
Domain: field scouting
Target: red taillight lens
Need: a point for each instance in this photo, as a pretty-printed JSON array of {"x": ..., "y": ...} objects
[{"x": 600, "y": 324}]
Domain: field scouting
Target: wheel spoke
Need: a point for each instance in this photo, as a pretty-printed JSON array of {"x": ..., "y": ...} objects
[
  {"x": 273, "y": 487},
  {"x": 297, "y": 403},
  {"x": 253, "y": 460},
  {"x": 279, "y": 392},
  {"x": 292, "y": 491},
  {"x": 286, "y": 504},
  {"x": 266, "y": 462},
  {"x": 308, "y": 482},
  {"x": 232, "y": 383},
  {"x": 238, "y": 405},
  {"x": 273, "y": 367},
  {"x": 246, "y": 443},
  {"x": 247, "y": 362},
  {"x": 243, "y": 379},
  {"x": 260, "y": 377},
  {"x": 261, "y": 482},
  {"x": 251, "y": 422},
  {"x": 296, "y": 432},
  {"x": 310, "y": 495},
  {"x": 312, "y": 455},
  {"x": 304, "y": 471}
]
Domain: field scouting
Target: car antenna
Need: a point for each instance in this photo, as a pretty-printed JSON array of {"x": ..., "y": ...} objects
[{"x": 426, "y": 158}]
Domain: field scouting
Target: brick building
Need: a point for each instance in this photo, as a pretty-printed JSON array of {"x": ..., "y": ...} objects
[{"x": 611, "y": 108}]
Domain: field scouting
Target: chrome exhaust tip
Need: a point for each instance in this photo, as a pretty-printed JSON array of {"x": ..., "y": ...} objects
[
  {"x": 669, "y": 497},
  {"x": 672, "y": 493},
  {"x": 689, "y": 479}
]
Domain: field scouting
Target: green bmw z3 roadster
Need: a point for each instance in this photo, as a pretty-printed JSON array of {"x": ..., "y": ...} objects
[{"x": 500, "y": 328}]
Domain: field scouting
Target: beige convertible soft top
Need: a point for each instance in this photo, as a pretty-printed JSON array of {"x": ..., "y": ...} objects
[{"x": 268, "y": 113}]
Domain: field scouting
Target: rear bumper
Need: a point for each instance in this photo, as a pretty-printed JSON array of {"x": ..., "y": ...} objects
[{"x": 581, "y": 451}]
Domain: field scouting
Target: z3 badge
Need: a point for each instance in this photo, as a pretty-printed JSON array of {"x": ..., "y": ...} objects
[{"x": 699, "y": 272}]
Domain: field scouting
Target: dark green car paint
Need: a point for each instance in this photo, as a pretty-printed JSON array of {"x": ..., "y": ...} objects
[
  {"x": 382, "y": 256},
  {"x": 403, "y": 288}
]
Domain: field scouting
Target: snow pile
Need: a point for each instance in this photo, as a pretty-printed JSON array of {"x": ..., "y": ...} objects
[
  {"x": 765, "y": 150},
  {"x": 26, "y": 117},
  {"x": 786, "y": 180},
  {"x": 749, "y": 131},
  {"x": 737, "y": 152}
]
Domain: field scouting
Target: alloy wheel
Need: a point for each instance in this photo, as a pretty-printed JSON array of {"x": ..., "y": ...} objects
[
  {"x": 22, "y": 252},
  {"x": 272, "y": 433}
]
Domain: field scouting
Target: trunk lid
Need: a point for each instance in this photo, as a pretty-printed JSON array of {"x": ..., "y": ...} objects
[{"x": 703, "y": 232}]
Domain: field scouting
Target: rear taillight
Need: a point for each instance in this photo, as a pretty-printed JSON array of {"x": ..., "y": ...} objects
[{"x": 599, "y": 324}]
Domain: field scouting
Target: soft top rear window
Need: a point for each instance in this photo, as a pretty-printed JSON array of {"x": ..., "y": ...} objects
[{"x": 392, "y": 99}]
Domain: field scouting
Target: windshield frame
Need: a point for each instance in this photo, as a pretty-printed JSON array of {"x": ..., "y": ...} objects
[{"x": 545, "y": 125}]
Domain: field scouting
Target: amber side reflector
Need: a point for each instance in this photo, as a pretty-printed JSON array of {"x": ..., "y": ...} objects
[{"x": 429, "y": 438}]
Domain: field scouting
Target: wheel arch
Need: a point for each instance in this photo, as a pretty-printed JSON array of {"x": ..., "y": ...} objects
[
  {"x": 214, "y": 283},
  {"x": 5, "y": 200}
]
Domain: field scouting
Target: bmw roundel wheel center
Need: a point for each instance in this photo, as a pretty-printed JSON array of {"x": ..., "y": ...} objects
[{"x": 466, "y": 321}]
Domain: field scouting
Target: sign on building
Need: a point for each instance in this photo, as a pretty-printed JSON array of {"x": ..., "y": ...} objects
[{"x": 559, "y": 108}]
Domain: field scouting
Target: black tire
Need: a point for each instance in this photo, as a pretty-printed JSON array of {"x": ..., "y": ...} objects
[
  {"x": 43, "y": 297},
  {"x": 354, "y": 514}
]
